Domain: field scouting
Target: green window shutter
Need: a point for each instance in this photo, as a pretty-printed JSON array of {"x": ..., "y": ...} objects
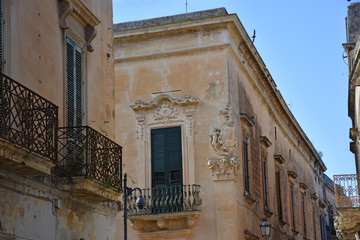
[
  {"x": 166, "y": 156},
  {"x": 174, "y": 149},
  {"x": 74, "y": 84}
]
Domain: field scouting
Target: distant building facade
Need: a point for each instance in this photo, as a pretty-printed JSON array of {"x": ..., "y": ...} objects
[
  {"x": 208, "y": 135},
  {"x": 58, "y": 179},
  {"x": 347, "y": 222}
]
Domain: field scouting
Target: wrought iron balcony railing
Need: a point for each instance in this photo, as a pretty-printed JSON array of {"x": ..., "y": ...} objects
[
  {"x": 166, "y": 199},
  {"x": 27, "y": 119},
  {"x": 84, "y": 152},
  {"x": 347, "y": 190}
]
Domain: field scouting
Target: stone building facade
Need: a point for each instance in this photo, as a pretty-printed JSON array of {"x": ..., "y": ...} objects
[
  {"x": 208, "y": 136},
  {"x": 58, "y": 180},
  {"x": 347, "y": 220}
]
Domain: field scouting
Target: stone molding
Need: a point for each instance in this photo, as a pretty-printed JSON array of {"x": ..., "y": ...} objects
[
  {"x": 16, "y": 159},
  {"x": 226, "y": 168},
  {"x": 83, "y": 15},
  {"x": 279, "y": 159},
  {"x": 292, "y": 175},
  {"x": 165, "y": 111},
  {"x": 161, "y": 223}
]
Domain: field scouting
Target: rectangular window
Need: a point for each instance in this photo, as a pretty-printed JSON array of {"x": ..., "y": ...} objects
[
  {"x": 278, "y": 194},
  {"x": 303, "y": 213},
  {"x": 166, "y": 156},
  {"x": 292, "y": 206},
  {"x": 246, "y": 166},
  {"x": 264, "y": 182},
  {"x": 74, "y": 84},
  {"x": 166, "y": 165},
  {"x": 323, "y": 227}
]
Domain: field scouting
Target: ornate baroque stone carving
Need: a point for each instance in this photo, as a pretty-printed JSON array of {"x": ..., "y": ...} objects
[
  {"x": 347, "y": 223},
  {"x": 222, "y": 137},
  {"x": 225, "y": 168},
  {"x": 165, "y": 111},
  {"x": 223, "y": 141}
]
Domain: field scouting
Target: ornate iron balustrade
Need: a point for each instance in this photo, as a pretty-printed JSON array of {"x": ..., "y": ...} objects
[
  {"x": 166, "y": 199},
  {"x": 347, "y": 190},
  {"x": 84, "y": 152},
  {"x": 27, "y": 119}
]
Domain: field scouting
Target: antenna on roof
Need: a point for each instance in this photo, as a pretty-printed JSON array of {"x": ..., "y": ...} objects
[{"x": 186, "y": 5}]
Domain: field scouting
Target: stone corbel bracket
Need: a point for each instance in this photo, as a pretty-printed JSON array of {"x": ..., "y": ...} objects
[
  {"x": 83, "y": 15},
  {"x": 90, "y": 34},
  {"x": 66, "y": 9},
  {"x": 226, "y": 168},
  {"x": 164, "y": 222}
]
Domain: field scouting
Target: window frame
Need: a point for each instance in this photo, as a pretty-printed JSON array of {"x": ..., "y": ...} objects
[
  {"x": 246, "y": 166},
  {"x": 292, "y": 207},
  {"x": 278, "y": 194},
  {"x": 265, "y": 180},
  {"x": 77, "y": 48},
  {"x": 167, "y": 172}
]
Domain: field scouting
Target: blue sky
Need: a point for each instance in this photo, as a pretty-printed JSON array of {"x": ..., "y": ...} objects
[{"x": 300, "y": 42}]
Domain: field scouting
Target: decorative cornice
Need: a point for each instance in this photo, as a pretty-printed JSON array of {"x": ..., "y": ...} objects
[
  {"x": 244, "y": 117},
  {"x": 322, "y": 204},
  {"x": 292, "y": 174},
  {"x": 186, "y": 100},
  {"x": 279, "y": 158},
  {"x": 314, "y": 196},
  {"x": 303, "y": 186},
  {"x": 249, "y": 198},
  {"x": 268, "y": 212},
  {"x": 82, "y": 13},
  {"x": 265, "y": 141}
]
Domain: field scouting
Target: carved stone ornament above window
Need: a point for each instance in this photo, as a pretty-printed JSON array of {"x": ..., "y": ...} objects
[
  {"x": 292, "y": 174},
  {"x": 83, "y": 15},
  {"x": 279, "y": 159}
]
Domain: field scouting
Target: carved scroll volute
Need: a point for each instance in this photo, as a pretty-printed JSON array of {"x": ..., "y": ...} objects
[
  {"x": 90, "y": 34},
  {"x": 222, "y": 137},
  {"x": 65, "y": 10},
  {"x": 223, "y": 141}
]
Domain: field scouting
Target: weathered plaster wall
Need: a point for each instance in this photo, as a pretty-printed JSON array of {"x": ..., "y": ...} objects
[
  {"x": 35, "y": 56},
  {"x": 28, "y": 211}
]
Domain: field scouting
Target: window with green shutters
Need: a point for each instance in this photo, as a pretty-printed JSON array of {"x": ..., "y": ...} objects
[
  {"x": 74, "y": 84},
  {"x": 166, "y": 156}
]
